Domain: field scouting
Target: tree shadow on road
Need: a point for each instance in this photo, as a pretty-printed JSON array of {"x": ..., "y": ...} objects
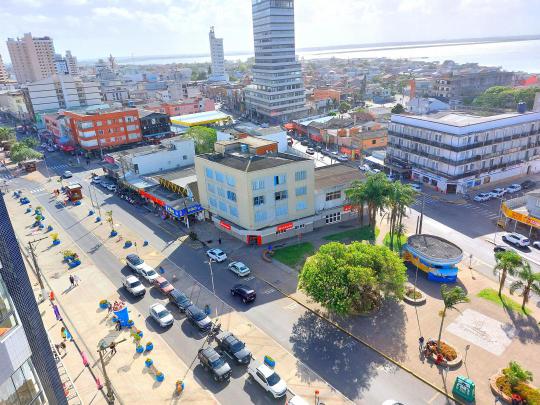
[{"x": 527, "y": 327}]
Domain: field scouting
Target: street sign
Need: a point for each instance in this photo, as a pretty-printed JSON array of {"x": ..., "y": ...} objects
[{"x": 464, "y": 388}]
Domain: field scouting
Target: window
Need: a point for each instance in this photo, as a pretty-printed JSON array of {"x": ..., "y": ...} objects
[
  {"x": 231, "y": 181},
  {"x": 373, "y": 141},
  {"x": 282, "y": 211},
  {"x": 257, "y": 184},
  {"x": 213, "y": 202},
  {"x": 301, "y": 205},
  {"x": 259, "y": 200},
  {"x": 334, "y": 195},
  {"x": 335, "y": 217},
  {"x": 184, "y": 157},
  {"x": 209, "y": 173},
  {"x": 301, "y": 191},
  {"x": 281, "y": 195},
  {"x": 222, "y": 206},
  {"x": 300, "y": 175},
  {"x": 260, "y": 216},
  {"x": 279, "y": 179},
  {"x": 231, "y": 195},
  {"x": 7, "y": 315},
  {"x": 211, "y": 188},
  {"x": 221, "y": 192},
  {"x": 22, "y": 387},
  {"x": 233, "y": 211},
  {"x": 220, "y": 177}
]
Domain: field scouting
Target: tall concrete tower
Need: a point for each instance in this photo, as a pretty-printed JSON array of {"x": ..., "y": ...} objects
[
  {"x": 32, "y": 57},
  {"x": 217, "y": 57}
]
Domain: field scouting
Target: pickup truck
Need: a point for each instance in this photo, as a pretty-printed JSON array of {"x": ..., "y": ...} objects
[
  {"x": 267, "y": 378},
  {"x": 212, "y": 362},
  {"x": 233, "y": 347}
]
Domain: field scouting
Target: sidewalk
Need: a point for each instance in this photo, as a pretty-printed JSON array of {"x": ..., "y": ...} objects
[{"x": 89, "y": 325}]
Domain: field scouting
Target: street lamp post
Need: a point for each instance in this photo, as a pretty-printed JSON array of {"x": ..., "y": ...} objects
[
  {"x": 110, "y": 394},
  {"x": 210, "y": 261},
  {"x": 36, "y": 266},
  {"x": 498, "y": 218}
]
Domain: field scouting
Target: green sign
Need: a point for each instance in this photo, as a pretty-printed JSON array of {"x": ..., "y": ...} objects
[{"x": 464, "y": 388}]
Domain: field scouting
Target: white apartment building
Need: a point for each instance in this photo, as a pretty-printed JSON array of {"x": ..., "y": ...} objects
[
  {"x": 32, "y": 57},
  {"x": 217, "y": 57},
  {"x": 277, "y": 94},
  {"x": 73, "y": 67},
  {"x": 61, "y": 92},
  {"x": 60, "y": 65},
  {"x": 4, "y": 77},
  {"x": 454, "y": 152}
]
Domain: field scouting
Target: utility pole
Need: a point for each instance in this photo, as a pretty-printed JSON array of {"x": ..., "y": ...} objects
[
  {"x": 212, "y": 277},
  {"x": 110, "y": 394},
  {"x": 36, "y": 266},
  {"x": 421, "y": 214}
]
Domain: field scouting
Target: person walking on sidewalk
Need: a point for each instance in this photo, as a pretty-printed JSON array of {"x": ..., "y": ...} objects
[
  {"x": 76, "y": 279},
  {"x": 112, "y": 346},
  {"x": 72, "y": 280},
  {"x": 219, "y": 241},
  {"x": 57, "y": 312},
  {"x": 421, "y": 343}
]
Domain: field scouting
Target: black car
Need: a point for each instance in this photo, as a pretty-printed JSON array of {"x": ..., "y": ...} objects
[
  {"x": 527, "y": 184},
  {"x": 215, "y": 364},
  {"x": 500, "y": 248},
  {"x": 245, "y": 292},
  {"x": 179, "y": 299},
  {"x": 198, "y": 318},
  {"x": 235, "y": 348},
  {"x": 318, "y": 148},
  {"x": 304, "y": 142}
]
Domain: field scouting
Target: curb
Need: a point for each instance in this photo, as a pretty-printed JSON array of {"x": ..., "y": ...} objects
[{"x": 366, "y": 344}]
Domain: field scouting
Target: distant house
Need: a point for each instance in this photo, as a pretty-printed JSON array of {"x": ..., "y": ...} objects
[
  {"x": 422, "y": 106},
  {"x": 154, "y": 124}
]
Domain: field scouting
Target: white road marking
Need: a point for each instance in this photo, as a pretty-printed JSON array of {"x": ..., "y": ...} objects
[
  {"x": 291, "y": 306},
  {"x": 269, "y": 291}
]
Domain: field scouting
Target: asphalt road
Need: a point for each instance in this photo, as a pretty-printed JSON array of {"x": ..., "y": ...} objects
[{"x": 359, "y": 373}]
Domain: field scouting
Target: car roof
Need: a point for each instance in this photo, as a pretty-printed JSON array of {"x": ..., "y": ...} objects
[
  {"x": 178, "y": 294},
  {"x": 244, "y": 287},
  {"x": 193, "y": 308},
  {"x": 265, "y": 370},
  {"x": 131, "y": 278},
  {"x": 210, "y": 353},
  {"x": 158, "y": 306},
  {"x": 160, "y": 279},
  {"x": 132, "y": 256}
]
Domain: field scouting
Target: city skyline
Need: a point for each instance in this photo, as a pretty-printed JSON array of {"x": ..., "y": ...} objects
[{"x": 165, "y": 27}]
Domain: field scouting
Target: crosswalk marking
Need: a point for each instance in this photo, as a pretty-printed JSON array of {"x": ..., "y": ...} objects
[
  {"x": 62, "y": 166},
  {"x": 37, "y": 190},
  {"x": 269, "y": 291},
  {"x": 248, "y": 278}
]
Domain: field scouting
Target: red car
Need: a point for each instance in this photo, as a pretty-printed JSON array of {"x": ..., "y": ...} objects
[{"x": 163, "y": 285}]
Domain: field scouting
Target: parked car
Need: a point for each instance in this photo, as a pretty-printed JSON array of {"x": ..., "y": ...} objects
[
  {"x": 365, "y": 167},
  {"x": 97, "y": 179},
  {"x": 161, "y": 315},
  {"x": 216, "y": 254},
  {"x": 391, "y": 177},
  {"x": 304, "y": 142},
  {"x": 148, "y": 273},
  {"x": 239, "y": 268},
  {"x": 527, "y": 184},
  {"x": 162, "y": 285},
  {"x": 111, "y": 187},
  {"x": 198, "y": 318},
  {"x": 67, "y": 174},
  {"x": 343, "y": 158},
  {"x": 310, "y": 151},
  {"x": 180, "y": 300},
  {"x": 318, "y": 148},
  {"x": 513, "y": 188},
  {"x": 500, "y": 248},
  {"x": 233, "y": 347},
  {"x": 267, "y": 378},
  {"x": 133, "y": 285},
  {"x": 215, "y": 364},
  {"x": 497, "y": 192},
  {"x": 417, "y": 187},
  {"x": 375, "y": 171},
  {"x": 136, "y": 263},
  {"x": 246, "y": 293},
  {"x": 536, "y": 244},
  {"x": 516, "y": 239},
  {"x": 482, "y": 197}
]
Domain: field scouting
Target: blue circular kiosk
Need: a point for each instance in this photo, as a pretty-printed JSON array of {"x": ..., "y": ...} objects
[{"x": 434, "y": 255}]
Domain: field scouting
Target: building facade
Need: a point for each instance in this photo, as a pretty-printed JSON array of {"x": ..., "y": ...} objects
[
  {"x": 4, "y": 76},
  {"x": 14, "y": 103},
  {"x": 187, "y": 106},
  {"x": 467, "y": 85},
  {"x": 454, "y": 152},
  {"x": 32, "y": 58},
  {"x": 61, "y": 92},
  {"x": 217, "y": 57},
  {"x": 154, "y": 124},
  {"x": 104, "y": 129},
  {"x": 73, "y": 66},
  {"x": 28, "y": 374},
  {"x": 277, "y": 94}
]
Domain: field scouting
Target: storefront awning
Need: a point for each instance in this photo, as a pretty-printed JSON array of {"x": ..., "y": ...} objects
[{"x": 373, "y": 159}]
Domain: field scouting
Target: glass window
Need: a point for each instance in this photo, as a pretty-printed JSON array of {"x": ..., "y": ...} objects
[
  {"x": 209, "y": 173},
  {"x": 231, "y": 181},
  {"x": 7, "y": 315},
  {"x": 334, "y": 195},
  {"x": 281, "y": 195},
  {"x": 257, "y": 184},
  {"x": 7, "y": 393},
  {"x": 221, "y": 192},
  {"x": 301, "y": 205},
  {"x": 260, "y": 216},
  {"x": 259, "y": 200},
  {"x": 300, "y": 175},
  {"x": 211, "y": 188},
  {"x": 301, "y": 191},
  {"x": 233, "y": 210},
  {"x": 222, "y": 206},
  {"x": 220, "y": 177},
  {"x": 282, "y": 211},
  {"x": 231, "y": 195},
  {"x": 22, "y": 388},
  {"x": 281, "y": 179},
  {"x": 213, "y": 202}
]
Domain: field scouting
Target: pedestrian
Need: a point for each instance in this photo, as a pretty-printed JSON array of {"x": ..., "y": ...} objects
[
  {"x": 109, "y": 308},
  {"x": 219, "y": 241},
  {"x": 421, "y": 343},
  {"x": 57, "y": 313},
  {"x": 118, "y": 325},
  {"x": 112, "y": 346},
  {"x": 72, "y": 280},
  {"x": 76, "y": 279},
  {"x": 51, "y": 296}
]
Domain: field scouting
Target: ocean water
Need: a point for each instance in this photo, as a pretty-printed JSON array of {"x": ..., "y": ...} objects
[{"x": 516, "y": 55}]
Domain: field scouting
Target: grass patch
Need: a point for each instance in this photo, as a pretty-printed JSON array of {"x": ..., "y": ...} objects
[
  {"x": 356, "y": 234},
  {"x": 398, "y": 241},
  {"x": 294, "y": 255},
  {"x": 505, "y": 301}
]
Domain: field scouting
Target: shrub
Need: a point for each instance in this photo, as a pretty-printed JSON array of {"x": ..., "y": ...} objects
[
  {"x": 516, "y": 374},
  {"x": 448, "y": 352}
]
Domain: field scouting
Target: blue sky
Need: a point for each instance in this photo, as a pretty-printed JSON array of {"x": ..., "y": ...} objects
[{"x": 95, "y": 28}]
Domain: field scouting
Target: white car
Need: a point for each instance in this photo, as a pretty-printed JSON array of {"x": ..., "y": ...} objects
[
  {"x": 497, "y": 192},
  {"x": 392, "y": 402},
  {"x": 161, "y": 315},
  {"x": 97, "y": 180},
  {"x": 417, "y": 187},
  {"x": 111, "y": 187},
  {"x": 375, "y": 171},
  {"x": 217, "y": 255},
  {"x": 239, "y": 268},
  {"x": 297, "y": 400},
  {"x": 365, "y": 167},
  {"x": 516, "y": 239},
  {"x": 536, "y": 244},
  {"x": 133, "y": 285},
  {"x": 140, "y": 267},
  {"x": 67, "y": 174},
  {"x": 482, "y": 197},
  {"x": 149, "y": 274},
  {"x": 267, "y": 378},
  {"x": 513, "y": 188},
  {"x": 343, "y": 158}
]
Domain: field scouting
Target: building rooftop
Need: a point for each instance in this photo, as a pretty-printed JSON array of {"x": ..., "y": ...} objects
[
  {"x": 202, "y": 118},
  {"x": 248, "y": 140},
  {"x": 252, "y": 163},
  {"x": 435, "y": 248},
  {"x": 144, "y": 113},
  {"x": 336, "y": 175},
  {"x": 173, "y": 175}
]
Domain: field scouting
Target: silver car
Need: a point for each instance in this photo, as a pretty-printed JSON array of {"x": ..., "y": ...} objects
[{"x": 161, "y": 315}]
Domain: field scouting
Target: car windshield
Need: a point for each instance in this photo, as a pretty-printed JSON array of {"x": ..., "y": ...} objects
[
  {"x": 237, "y": 346},
  {"x": 219, "y": 253},
  {"x": 163, "y": 313},
  {"x": 273, "y": 379},
  {"x": 217, "y": 362},
  {"x": 241, "y": 266},
  {"x": 135, "y": 284},
  {"x": 164, "y": 284},
  {"x": 198, "y": 315},
  {"x": 136, "y": 260},
  {"x": 150, "y": 273}
]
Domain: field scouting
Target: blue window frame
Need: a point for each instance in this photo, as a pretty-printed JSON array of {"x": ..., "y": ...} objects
[
  {"x": 282, "y": 211},
  {"x": 231, "y": 181},
  {"x": 233, "y": 211},
  {"x": 211, "y": 188},
  {"x": 257, "y": 184},
  {"x": 300, "y": 175},
  {"x": 301, "y": 191},
  {"x": 260, "y": 216},
  {"x": 209, "y": 173},
  {"x": 301, "y": 205},
  {"x": 213, "y": 202},
  {"x": 222, "y": 206},
  {"x": 231, "y": 195},
  {"x": 220, "y": 177}
]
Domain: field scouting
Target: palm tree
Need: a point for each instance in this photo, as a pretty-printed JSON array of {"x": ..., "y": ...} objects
[
  {"x": 451, "y": 297},
  {"x": 400, "y": 196},
  {"x": 6, "y": 134},
  {"x": 530, "y": 281},
  {"x": 507, "y": 263},
  {"x": 357, "y": 198}
]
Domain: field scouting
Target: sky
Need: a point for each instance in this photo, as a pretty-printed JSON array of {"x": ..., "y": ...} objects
[{"x": 97, "y": 28}]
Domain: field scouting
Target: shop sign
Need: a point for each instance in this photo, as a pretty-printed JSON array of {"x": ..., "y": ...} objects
[
  {"x": 520, "y": 217},
  {"x": 225, "y": 225},
  {"x": 151, "y": 198},
  {"x": 284, "y": 227},
  {"x": 192, "y": 209},
  {"x": 347, "y": 208}
]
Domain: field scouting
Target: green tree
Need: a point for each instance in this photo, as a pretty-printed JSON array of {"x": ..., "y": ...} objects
[
  {"x": 21, "y": 152},
  {"x": 508, "y": 262},
  {"x": 30, "y": 142},
  {"x": 7, "y": 134},
  {"x": 506, "y": 97},
  {"x": 529, "y": 281},
  {"x": 400, "y": 196},
  {"x": 203, "y": 137},
  {"x": 373, "y": 192},
  {"x": 516, "y": 374},
  {"x": 398, "y": 109},
  {"x": 356, "y": 195},
  {"x": 451, "y": 297},
  {"x": 353, "y": 278},
  {"x": 202, "y": 75},
  {"x": 344, "y": 107}
]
